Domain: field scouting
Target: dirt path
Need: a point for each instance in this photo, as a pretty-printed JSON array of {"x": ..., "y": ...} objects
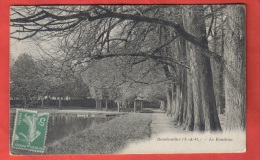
[
  {"x": 161, "y": 125},
  {"x": 167, "y": 138}
]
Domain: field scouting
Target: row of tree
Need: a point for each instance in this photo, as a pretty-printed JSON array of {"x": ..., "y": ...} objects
[
  {"x": 33, "y": 80},
  {"x": 191, "y": 58}
]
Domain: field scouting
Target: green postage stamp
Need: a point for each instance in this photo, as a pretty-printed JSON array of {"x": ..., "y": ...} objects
[{"x": 30, "y": 130}]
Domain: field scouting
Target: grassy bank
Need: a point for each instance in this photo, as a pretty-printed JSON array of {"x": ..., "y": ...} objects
[{"x": 105, "y": 138}]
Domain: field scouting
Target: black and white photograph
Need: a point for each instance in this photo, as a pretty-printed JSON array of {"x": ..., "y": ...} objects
[{"x": 128, "y": 79}]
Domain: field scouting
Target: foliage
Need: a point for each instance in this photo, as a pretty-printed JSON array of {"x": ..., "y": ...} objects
[
  {"x": 33, "y": 79},
  {"x": 26, "y": 80}
]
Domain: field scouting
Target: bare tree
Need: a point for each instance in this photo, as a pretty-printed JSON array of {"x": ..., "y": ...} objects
[
  {"x": 234, "y": 70},
  {"x": 170, "y": 42}
]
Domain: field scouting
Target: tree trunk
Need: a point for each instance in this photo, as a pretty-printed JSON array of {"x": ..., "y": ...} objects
[
  {"x": 164, "y": 37},
  {"x": 126, "y": 103},
  {"x": 25, "y": 102},
  {"x": 215, "y": 65},
  {"x": 221, "y": 76},
  {"x": 218, "y": 68},
  {"x": 106, "y": 105},
  {"x": 189, "y": 122},
  {"x": 178, "y": 99},
  {"x": 234, "y": 57},
  {"x": 59, "y": 103},
  {"x": 134, "y": 106},
  {"x": 162, "y": 105},
  {"x": 42, "y": 100},
  {"x": 205, "y": 111},
  {"x": 183, "y": 112},
  {"x": 118, "y": 106},
  {"x": 98, "y": 104},
  {"x": 181, "y": 95},
  {"x": 70, "y": 101},
  {"x": 169, "y": 102},
  {"x": 178, "y": 51}
]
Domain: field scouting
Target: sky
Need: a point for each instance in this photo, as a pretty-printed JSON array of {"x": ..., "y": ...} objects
[
  {"x": 30, "y": 47},
  {"x": 19, "y": 47}
]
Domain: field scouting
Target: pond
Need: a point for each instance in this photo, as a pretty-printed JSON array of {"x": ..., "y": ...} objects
[{"x": 61, "y": 125}]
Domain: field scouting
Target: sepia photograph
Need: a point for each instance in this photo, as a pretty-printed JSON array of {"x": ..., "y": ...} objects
[{"x": 127, "y": 79}]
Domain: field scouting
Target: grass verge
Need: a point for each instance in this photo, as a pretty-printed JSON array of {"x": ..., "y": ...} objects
[{"x": 105, "y": 138}]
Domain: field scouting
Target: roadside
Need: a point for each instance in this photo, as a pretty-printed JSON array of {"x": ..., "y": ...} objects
[
  {"x": 105, "y": 138},
  {"x": 161, "y": 124},
  {"x": 168, "y": 138}
]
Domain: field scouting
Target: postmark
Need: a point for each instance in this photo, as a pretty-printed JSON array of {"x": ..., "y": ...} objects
[{"x": 30, "y": 130}]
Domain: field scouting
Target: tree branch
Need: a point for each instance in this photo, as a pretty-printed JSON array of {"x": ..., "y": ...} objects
[
  {"x": 86, "y": 16},
  {"x": 155, "y": 57}
]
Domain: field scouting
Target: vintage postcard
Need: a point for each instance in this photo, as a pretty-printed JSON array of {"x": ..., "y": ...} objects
[{"x": 127, "y": 79}]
